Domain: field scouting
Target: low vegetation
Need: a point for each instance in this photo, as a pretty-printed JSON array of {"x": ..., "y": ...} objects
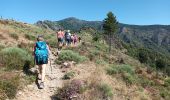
[
  {"x": 68, "y": 55},
  {"x": 14, "y": 35},
  {"x": 30, "y": 37},
  {"x": 9, "y": 87},
  {"x": 13, "y": 58},
  {"x": 127, "y": 72}
]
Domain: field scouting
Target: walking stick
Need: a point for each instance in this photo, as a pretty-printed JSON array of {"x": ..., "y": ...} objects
[{"x": 50, "y": 66}]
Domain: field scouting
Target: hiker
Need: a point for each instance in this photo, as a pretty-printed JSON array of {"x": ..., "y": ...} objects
[
  {"x": 72, "y": 39},
  {"x": 75, "y": 39},
  {"x": 68, "y": 37},
  {"x": 79, "y": 38},
  {"x": 60, "y": 36},
  {"x": 41, "y": 54}
]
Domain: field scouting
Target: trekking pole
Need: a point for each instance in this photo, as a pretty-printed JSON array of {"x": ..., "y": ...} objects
[{"x": 50, "y": 66}]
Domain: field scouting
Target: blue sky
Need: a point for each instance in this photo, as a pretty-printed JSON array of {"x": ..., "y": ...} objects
[{"x": 140, "y": 12}]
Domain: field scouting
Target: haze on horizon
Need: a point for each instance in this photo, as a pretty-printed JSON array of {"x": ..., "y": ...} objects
[{"x": 138, "y": 12}]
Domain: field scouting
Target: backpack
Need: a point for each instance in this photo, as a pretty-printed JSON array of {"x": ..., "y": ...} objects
[
  {"x": 67, "y": 35},
  {"x": 41, "y": 52}
]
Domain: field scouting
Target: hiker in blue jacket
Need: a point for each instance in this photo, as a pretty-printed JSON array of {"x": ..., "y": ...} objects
[{"x": 41, "y": 53}]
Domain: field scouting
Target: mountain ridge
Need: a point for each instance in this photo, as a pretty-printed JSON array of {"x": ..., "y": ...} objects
[{"x": 155, "y": 37}]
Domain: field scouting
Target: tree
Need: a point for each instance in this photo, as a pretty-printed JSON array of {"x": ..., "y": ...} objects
[{"x": 110, "y": 26}]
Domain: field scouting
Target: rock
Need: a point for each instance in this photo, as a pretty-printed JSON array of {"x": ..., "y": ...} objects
[
  {"x": 19, "y": 92},
  {"x": 30, "y": 87},
  {"x": 33, "y": 70}
]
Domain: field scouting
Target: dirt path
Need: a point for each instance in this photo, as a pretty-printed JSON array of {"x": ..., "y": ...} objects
[{"x": 52, "y": 81}]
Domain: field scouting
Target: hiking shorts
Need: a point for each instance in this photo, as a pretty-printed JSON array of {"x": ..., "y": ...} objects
[
  {"x": 68, "y": 41},
  {"x": 61, "y": 40},
  {"x": 41, "y": 61}
]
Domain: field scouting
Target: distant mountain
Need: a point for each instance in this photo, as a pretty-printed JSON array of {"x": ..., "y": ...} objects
[
  {"x": 156, "y": 37},
  {"x": 69, "y": 23}
]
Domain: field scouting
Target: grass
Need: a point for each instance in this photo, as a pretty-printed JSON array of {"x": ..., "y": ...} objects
[
  {"x": 9, "y": 87},
  {"x": 69, "y": 55},
  {"x": 14, "y": 35},
  {"x": 52, "y": 42},
  {"x": 30, "y": 79},
  {"x": 127, "y": 72},
  {"x": 14, "y": 58},
  {"x": 120, "y": 69},
  {"x": 30, "y": 37},
  {"x": 101, "y": 62},
  {"x": 106, "y": 90},
  {"x": 69, "y": 75}
]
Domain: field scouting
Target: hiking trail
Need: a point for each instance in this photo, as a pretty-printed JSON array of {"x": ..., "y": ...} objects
[{"x": 52, "y": 82}]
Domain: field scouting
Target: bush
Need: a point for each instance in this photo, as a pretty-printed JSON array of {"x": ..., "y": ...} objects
[
  {"x": 68, "y": 55},
  {"x": 106, "y": 90},
  {"x": 167, "y": 82},
  {"x": 52, "y": 42},
  {"x": 145, "y": 82},
  {"x": 101, "y": 62},
  {"x": 1, "y": 47},
  {"x": 96, "y": 37},
  {"x": 126, "y": 71},
  {"x": 143, "y": 56},
  {"x": 128, "y": 78},
  {"x": 69, "y": 75},
  {"x": 30, "y": 37},
  {"x": 120, "y": 69},
  {"x": 165, "y": 94},
  {"x": 160, "y": 64},
  {"x": 71, "y": 90},
  {"x": 14, "y": 35},
  {"x": 9, "y": 87},
  {"x": 13, "y": 58}
]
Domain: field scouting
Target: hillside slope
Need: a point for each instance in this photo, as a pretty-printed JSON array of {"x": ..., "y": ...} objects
[{"x": 88, "y": 71}]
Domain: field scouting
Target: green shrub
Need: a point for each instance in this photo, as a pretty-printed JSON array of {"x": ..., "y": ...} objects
[
  {"x": 167, "y": 82},
  {"x": 52, "y": 42},
  {"x": 101, "y": 62},
  {"x": 101, "y": 46},
  {"x": 126, "y": 71},
  {"x": 112, "y": 71},
  {"x": 120, "y": 69},
  {"x": 9, "y": 87},
  {"x": 14, "y": 35},
  {"x": 68, "y": 55},
  {"x": 30, "y": 37},
  {"x": 96, "y": 37},
  {"x": 14, "y": 58},
  {"x": 106, "y": 90},
  {"x": 165, "y": 94},
  {"x": 1, "y": 47},
  {"x": 145, "y": 82},
  {"x": 160, "y": 64},
  {"x": 128, "y": 78},
  {"x": 69, "y": 75}
]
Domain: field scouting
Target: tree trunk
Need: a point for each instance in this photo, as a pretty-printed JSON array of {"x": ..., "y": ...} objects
[{"x": 110, "y": 42}]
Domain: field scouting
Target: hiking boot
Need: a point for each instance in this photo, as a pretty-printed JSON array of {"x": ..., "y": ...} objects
[{"x": 41, "y": 85}]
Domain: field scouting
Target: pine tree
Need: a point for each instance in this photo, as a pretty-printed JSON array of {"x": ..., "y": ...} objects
[{"x": 110, "y": 26}]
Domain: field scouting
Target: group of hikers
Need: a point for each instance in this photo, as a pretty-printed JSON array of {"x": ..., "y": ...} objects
[
  {"x": 42, "y": 51},
  {"x": 66, "y": 38}
]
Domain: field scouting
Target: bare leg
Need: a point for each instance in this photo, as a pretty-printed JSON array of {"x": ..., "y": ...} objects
[
  {"x": 40, "y": 69},
  {"x": 43, "y": 72}
]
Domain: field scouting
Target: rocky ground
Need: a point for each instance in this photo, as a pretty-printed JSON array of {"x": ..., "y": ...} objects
[{"x": 52, "y": 82}]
